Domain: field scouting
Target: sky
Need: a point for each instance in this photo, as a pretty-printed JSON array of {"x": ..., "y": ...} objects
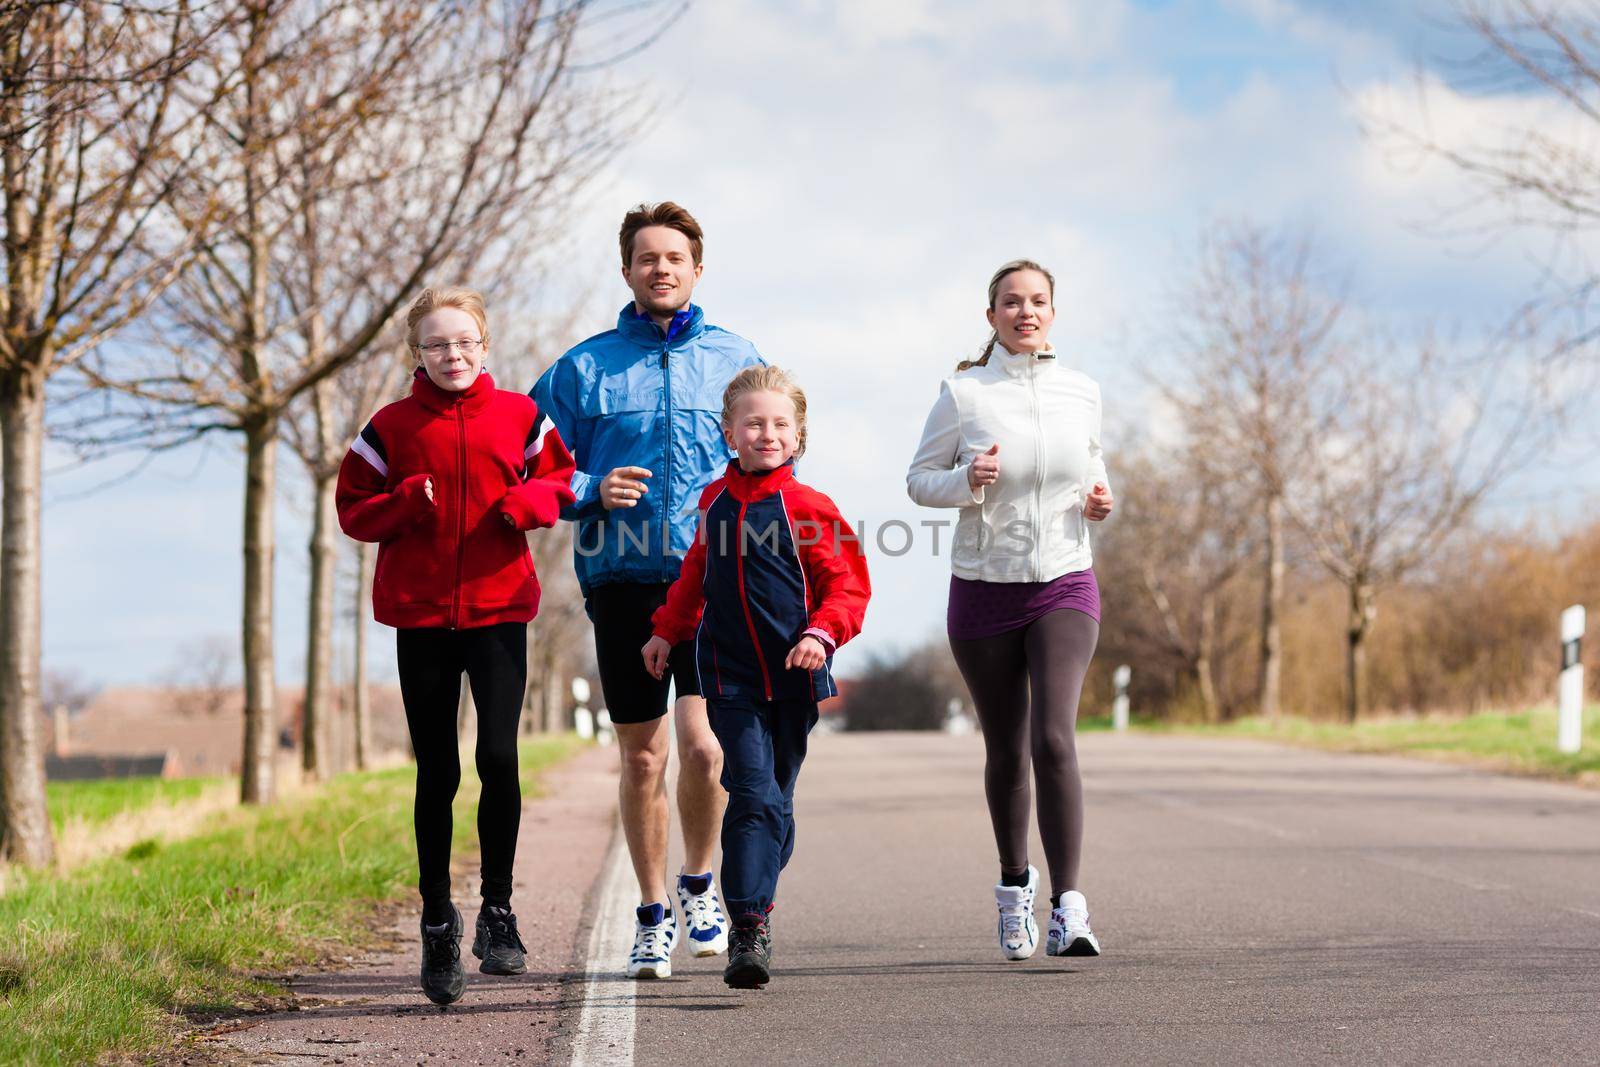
[{"x": 860, "y": 169}]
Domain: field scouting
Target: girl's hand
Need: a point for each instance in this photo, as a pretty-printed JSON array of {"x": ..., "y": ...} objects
[
  {"x": 656, "y": 652},
  {"x": 1097, "y": 505},
  {"x": 808, "y": 655},
  {"x": 427, "y": 489},
  {"x": 985, "y": 470}
]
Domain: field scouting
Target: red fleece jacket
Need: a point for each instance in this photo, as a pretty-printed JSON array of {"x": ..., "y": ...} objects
[{"x": 454, "y": 561}]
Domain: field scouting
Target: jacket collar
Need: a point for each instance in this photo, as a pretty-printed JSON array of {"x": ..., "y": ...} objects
[
  {"x": 1017, "y": 364},
  {"x": 748, "y": 488},
  {"x": 642, "y": 330},
  {"x": 471, "y": 400}
]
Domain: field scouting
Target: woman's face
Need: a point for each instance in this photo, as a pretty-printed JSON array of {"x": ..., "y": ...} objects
[
  {"x": 451, "y": 364},
  {"x": 1023, "y": 311}
]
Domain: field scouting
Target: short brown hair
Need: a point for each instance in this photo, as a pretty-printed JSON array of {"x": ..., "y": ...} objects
[
  {"x": 454, "y": 296},
  {"x": 666, "y": 214},
  {"x": 764, "y": 379}
]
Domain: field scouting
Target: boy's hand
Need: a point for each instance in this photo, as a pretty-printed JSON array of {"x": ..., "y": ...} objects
[
  {"x": 623, "y": 487},
  {"x": 808, "y": 655},
  {"x": 1097, "y": 505},
  {"x": 656, "y": 653}
]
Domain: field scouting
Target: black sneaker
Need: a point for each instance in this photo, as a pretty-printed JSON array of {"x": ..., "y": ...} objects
[
  {"x": 749, "y": 953},
  {"x": 496, "y": 942},
  {"x": 443, "y": 979}
]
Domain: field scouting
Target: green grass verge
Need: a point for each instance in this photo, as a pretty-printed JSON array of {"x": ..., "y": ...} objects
[
  {"x": 1521, "y": 742},
  {"x": 114, "y": 956},
  {"x": 100, "y": 800}
]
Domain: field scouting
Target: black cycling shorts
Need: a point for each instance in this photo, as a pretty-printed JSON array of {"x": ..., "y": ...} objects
[{"x": 621, "y": 614}]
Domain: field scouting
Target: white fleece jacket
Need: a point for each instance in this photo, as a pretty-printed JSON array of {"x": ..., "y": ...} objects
[{"x": 1028, "y": 526}]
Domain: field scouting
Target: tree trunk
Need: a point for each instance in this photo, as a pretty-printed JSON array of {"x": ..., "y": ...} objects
[
  {"x": 1362, "y": 612},
  {"x": 24, "y": 822},
  {"x": 366, "y": 557},
  {"x": 316, "y": 752},
  {"x": 260, "y": 695},
  {"x": 466, "y": 716},
  {"x": 1205, "y": 648},
  {"x": 1271, "y": 601}
]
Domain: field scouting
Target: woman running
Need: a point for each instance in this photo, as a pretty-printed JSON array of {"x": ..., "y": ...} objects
[{"x": 1014, "y": 442}]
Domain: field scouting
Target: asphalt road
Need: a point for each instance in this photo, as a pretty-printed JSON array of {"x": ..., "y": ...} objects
[{"x": 1256, "y": 904}]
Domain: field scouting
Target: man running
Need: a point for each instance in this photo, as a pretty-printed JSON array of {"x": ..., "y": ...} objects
[{"x": 641, "y": 407}]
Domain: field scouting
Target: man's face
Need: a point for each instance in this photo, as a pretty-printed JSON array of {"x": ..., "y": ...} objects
[{"x": 663, "y": 271}]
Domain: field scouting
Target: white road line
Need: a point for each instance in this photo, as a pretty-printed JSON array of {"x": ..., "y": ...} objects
[
  {"x": 1241, "y": 822},
  {"x": 605, "y": 1026}
]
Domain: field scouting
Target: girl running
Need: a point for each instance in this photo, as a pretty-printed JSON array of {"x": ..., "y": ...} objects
[
  {"x": 774, "y": 583},
  {"x": 1014, "y": 442},
  {"x": 446, "y": 481}
]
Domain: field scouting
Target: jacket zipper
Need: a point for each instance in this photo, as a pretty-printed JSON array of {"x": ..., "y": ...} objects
[
  {"x": 744, "y": 601},
  {"x": 666, "y": 459},
  {"x": 1038, "y": 481},
  {"x": 461, "y": 515}
]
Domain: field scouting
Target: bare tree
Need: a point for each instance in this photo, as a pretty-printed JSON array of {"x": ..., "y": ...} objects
[
  {"x": 204, "y": 676},
  {"x": 1257, "y": 327},
  {"x": 381, "y": 95},
  {"x": 1181, "y": 541},
  {"x": 1417, "y": 440},
  {"x": 91, "y": 127}
]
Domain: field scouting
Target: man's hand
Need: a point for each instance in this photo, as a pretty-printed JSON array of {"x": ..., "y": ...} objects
[
  {"x": 623, "y": 487},
  {"x": 808, "y": 655},
  {"x": 1097, "y": 505},
  {"x": 985, "y": 470},
  {"x": 656, "y": 653}
]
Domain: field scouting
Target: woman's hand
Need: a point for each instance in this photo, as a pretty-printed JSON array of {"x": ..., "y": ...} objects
[
  {"x": 808, "y": 655},
  {"x": 623, "y": 487},
  {"x": 656, "y": 653},
  {"x": 1097, "y": 505},
  {"x": 985, "y": 470}
]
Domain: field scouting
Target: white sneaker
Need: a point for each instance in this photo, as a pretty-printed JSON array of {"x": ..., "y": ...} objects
[
  {"x": 706, "y": 921},
  {"x": 1069, "y": 928},
  {"x": 1019, "y": 935},
  {"x": 653, "y": 943}
]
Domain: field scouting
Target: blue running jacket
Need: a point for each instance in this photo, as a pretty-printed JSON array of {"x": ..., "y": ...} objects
[{"x": 636, "y": 396}]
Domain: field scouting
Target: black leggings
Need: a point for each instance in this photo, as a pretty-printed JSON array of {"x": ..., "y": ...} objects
[
  {"x": 1046, "y": 659},
  {"x": 495, "y": 659}
]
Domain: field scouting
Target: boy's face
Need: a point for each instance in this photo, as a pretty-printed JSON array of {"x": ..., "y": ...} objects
[
  {"x": 662, "y": 273},
  {"x": 1023, "y": 311},
  {"x": 452, "y": 369},
  {"x": 764, "y": 431}
]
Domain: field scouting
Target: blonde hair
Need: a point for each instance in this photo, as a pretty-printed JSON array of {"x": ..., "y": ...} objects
[
  {"x": 767, "y": 380},
  {"x": 453, "y": 296},
  {"x": 994, "y": 293}
]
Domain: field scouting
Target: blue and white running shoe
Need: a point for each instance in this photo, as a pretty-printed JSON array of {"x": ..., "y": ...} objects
[
  {"x": 654, "y": 938},
  {"x": 1019, "y": 935},
  {"x": 707, "y": 923}
]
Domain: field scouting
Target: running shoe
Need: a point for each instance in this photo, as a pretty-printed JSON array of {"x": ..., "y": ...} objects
[
  {"x": 749, "y": 953},
  {"x": 496, "y": 942},
  {"x": 1069, "y": 928},
  {"x": 1019, "y": 934},
  {"x": 443, "y": 978},
  {"x": 703, "y": 915},
  {"x": 654, "y": 938}
]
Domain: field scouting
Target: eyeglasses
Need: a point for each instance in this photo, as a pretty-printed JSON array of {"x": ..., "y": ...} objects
[{"x": 468, "y": 346}]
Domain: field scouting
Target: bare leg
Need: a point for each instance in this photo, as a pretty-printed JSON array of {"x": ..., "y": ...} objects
[
  {"x": 645, "y": 812},
  {"x": 701, "y": 798}
]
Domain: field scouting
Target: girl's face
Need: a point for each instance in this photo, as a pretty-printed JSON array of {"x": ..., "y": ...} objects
[
  {"x": 764, "y": 430},
  {"x": 451, "y": 364},
  {"x": 1023, "y": 311}
]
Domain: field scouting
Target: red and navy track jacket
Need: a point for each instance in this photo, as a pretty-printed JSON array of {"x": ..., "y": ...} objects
[
  {"x": 772, "y": 560},
  {"x": 454, "y": 561}
]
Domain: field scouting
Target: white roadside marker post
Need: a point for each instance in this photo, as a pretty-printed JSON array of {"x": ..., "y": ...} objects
[
  {"x": 582, "y": 717},
  {"x": 1569, "y": 728},
  {"x": 1119, "y": 707}
]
